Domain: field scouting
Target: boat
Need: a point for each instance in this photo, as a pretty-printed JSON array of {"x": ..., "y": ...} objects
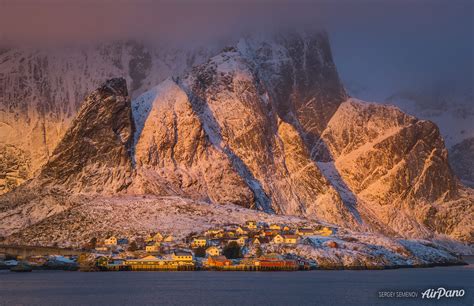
[{"x": 21, "y": 267}]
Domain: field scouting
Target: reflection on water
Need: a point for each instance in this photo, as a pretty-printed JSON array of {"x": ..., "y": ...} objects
[{"x": 233, "y": 288}]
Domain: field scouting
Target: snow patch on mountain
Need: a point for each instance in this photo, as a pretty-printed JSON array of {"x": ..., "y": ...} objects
[
  {"x": 42, "y": 89},
  {"x": 455, "y": 121}
]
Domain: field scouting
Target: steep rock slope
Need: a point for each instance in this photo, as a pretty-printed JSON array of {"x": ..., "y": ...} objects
[
  {"x": 224, "y": 108},
  {"x": 461, "y": 158},
  {"x": 174, "y": 156},
  {"x": 298, "y": 71},
  {"x": 42, "y": 89},
  {"x": 94, "y": 156},
  {"x": 14, "y": 167},
  {"x": 397, "y": 168},
  {"x": 95, "y": 152},
  {"x": 262, "y": 125}
]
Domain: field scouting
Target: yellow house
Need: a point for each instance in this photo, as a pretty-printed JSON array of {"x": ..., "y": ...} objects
[
  {"x": 199, "y": 242},
  {"x": 241, "y": 240},
  {"x": 150, "y": 263},
  {"x": 112, "y": 240},
  {"x": 256, "y": 241},
  {"x": 286, "y": 228},
  {"x": 251, "y": 224},
  {"x": 213, "y": 251},
  {"x": 325, "y": 231},
  {"x": 290, "y": 239},
  {"x": 278, "y": 239},
  {"x": 275, "y": 227},
  {"x": 240, "y": 231},
  {"x": 168, "y": 238},
  {"x": 182, "y": 256},
  {"x": 215, "y": 232},
  {"x": 305, "y": 232},
  {"x": 230, "y": 233},
  {"x": 147, "y": 260},
  {"x": 152, "y": 247},
  {"x": 158, "y": 237}
]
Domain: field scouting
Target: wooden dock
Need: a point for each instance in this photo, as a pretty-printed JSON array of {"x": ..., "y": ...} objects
[{"x": 25, "y": 251}]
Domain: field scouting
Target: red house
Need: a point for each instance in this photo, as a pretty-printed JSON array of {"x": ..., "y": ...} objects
[{"x": 218, "y": 261}]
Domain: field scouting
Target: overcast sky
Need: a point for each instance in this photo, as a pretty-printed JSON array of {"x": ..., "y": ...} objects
[{"x": 380, "y": 46}]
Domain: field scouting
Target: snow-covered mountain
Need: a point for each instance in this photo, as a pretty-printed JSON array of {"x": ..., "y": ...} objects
[
  {"x": 265, "y": 124},
  {"x": 94, "y": 154},
  {"x": 449, "y": 105},
  {"x": 42, "y": 89},
  {"x": 450, "y": 108},
  {"x": 396, "y": 167},
  {"x": 247, "y": 119}
]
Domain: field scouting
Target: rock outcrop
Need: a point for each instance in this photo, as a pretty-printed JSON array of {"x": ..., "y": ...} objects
[
  {"x": 14, "y": 167},
  {"x": 298, "y": 71},
  {"x": 174, "y": 156},
  {"x": 397, "y": 168},
  {"x": 42, "y": 89},
  {"x": 95, "y": 152},
  {"x": 222, "y": 121}
]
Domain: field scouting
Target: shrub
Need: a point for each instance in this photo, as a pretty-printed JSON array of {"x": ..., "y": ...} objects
[
  {"x": 200, "y": 252},
  {"x": 133, "y": 246},
  {"x": 232, "y": 250}
]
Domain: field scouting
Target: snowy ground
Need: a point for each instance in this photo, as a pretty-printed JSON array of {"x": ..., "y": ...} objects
[
  {"x": 135, "y": 216},
  {"x": 138, "y": 215}
]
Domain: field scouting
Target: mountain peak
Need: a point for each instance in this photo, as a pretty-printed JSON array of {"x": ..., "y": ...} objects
[
  {"x": 300, "y": 76},
  {"x": 115, "y": 86},
  {"x": 94, "y": 154},
  {"x": 247, "y": 128}
]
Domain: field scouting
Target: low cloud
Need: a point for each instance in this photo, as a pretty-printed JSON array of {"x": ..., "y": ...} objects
[
  {"x": 380, "y": 46},
  {"x": 50, "y": 22}
]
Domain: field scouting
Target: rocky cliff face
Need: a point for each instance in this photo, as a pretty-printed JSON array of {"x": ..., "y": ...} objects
[
  {"x": 228, "y": 110},
  {"x": 266, "y": 125},
  {"x": 174, "y": 156},
  {"x": 14, "y": 167},
  {"x": 368, "y": 140},
  {"x": 397, "y": 169},
  {"x": 461, "y": 158},
  {"x": 95, "y": 152},
  {"x": 42, "y": 89},
  {"x": 299, "y": 74}
]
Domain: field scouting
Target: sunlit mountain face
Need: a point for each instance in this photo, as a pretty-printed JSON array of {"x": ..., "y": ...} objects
[
  {"x": 339, "y": 117},
  {"x": 427, "y": 72}
]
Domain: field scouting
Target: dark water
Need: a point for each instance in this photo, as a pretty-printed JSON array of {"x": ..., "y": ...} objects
[{"x": 233, "y": 288}]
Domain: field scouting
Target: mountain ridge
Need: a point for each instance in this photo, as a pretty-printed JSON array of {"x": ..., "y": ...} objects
[{"x": 239, "y": 129}]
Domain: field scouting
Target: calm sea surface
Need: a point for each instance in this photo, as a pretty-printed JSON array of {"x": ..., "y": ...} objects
[{"x": 233, "y": 288}]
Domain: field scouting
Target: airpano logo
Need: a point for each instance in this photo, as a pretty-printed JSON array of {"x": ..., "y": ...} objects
[
  {"x": 442, "y": 293},
  {"x": 432, "y": 293}
]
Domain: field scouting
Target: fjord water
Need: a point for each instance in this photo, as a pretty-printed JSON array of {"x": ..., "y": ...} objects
[{"x": 342, "y": 287}]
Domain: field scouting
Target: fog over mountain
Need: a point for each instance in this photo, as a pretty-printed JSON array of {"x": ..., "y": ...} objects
[
  {"x": 417, "y": 54},
  {"x": 381, "y": 48}
]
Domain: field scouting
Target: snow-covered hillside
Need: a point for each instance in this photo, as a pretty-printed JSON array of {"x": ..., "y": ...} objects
[
  {"x": 102, "y": 217},
  {"x": 452, "y": 114}
]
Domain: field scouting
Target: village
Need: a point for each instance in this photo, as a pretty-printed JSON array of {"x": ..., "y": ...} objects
[{"x": 252, "y": 246}]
